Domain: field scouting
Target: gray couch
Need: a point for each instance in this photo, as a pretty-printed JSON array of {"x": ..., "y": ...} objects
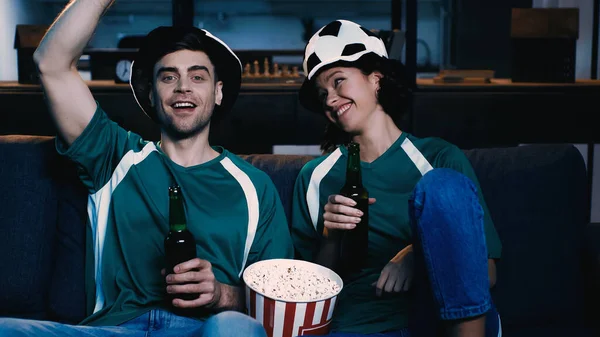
[{"x": 547, "y": 279}]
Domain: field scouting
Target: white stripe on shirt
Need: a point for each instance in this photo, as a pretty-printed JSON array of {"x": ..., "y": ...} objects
[
  {"x": 99, "y": 206},
  {"x": 252, "y": 204},
  {"x": 312, "y": 193},
  {"x": 416, "y": 156}
]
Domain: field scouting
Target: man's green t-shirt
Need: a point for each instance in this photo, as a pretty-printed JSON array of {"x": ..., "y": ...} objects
[
  {"x": 390, "y": 179},
  {"x": 232, "y": 209}
]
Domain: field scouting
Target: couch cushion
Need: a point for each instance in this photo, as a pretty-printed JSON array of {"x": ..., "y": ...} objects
[
  {"x": 283, "y": 170},
  {"x": 27, "y": 225},
  {"x": 537, "y": 198},
  {"x": 42, "y": 232}
]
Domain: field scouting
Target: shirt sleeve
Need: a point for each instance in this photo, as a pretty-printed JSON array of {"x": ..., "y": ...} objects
[
  {"x": 272, "y": 239},
  {"x": 98, "y": 150},
  {"x": 304, "y": 235},
  {"x": 454, "y": 158}
]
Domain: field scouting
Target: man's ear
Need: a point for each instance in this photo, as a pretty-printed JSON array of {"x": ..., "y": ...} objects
[
  {"x": 151, "y": 97},
  {"x": 218, "y": 92}
]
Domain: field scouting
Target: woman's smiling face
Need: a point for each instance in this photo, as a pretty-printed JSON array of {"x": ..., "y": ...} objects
[{"x": 349, "y": 96}]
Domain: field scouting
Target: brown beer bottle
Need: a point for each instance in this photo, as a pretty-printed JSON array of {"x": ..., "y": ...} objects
[
  {"x": 355, "y": 242},
  {"x": 180, "y": 245}
]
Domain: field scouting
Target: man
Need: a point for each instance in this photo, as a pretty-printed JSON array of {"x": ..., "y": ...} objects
[{"x": 180, "y": 77}]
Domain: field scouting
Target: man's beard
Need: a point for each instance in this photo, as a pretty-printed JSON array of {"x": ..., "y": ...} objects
[{"x": 177, "y": 132}]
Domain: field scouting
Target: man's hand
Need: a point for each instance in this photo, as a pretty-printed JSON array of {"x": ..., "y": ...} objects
[
  {"x": 339, "y": 212},
  {"x": 397, "y": 275},
  {"x": 194, "y": 277}
]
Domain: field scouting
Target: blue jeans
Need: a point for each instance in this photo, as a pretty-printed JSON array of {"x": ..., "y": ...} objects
[
  {"x": 450, "y": 279},
  {"x": 153, "y": 323}
]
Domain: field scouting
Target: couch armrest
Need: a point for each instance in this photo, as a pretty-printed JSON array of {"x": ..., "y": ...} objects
[
  {"x": 591, "y": 265},
  {"x": 592, "y": 242}
]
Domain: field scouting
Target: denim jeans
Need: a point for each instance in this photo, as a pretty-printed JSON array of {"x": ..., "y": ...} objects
[
  {"x": 153, "y": 323},
  {"x": 450, "y": 278},
  {"x": 451, "y": 265}
]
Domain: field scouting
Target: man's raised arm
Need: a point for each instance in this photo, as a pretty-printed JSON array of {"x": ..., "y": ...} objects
[{"x": 69, "y": 99}]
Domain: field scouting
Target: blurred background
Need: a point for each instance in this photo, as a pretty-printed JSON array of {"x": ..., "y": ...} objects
[{"x": 483, "y": 73}]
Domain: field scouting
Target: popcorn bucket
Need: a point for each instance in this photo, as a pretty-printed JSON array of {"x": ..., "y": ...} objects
[{"x": 288, "y": 316}]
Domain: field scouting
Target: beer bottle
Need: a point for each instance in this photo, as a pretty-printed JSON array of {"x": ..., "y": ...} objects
[
  {"x": 180, "y": 245},
  {"x": 355, "y": 242}
]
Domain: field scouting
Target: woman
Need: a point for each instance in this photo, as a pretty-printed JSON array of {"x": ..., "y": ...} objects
[{"x": 432, "y": 243}]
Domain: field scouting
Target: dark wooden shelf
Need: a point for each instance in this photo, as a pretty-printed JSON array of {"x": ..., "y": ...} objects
[
  {"x": 111, "y": 86},
  {"x": 266, "y": 114},
  {"x": 505, "y": 84}
]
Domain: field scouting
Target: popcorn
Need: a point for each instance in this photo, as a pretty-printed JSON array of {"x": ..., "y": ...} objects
[{"x": 291, "y": 282}]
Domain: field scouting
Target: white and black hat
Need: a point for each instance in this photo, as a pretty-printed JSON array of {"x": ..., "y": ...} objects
[
  {"x": 164, "y": 40},
  {"x": 340, "y": 42}
]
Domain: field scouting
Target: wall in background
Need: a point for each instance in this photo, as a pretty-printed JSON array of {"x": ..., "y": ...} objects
[
  {"x": 266, "y": 24},
  {"x": 13, "y": 12}
]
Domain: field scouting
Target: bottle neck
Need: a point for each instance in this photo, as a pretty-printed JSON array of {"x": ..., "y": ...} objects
[
  {"x": 353, "y": 170},
  {"x": 177, "y": 221}
]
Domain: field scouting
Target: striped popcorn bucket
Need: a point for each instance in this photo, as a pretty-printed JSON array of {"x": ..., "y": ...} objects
[{"x": 288, "y": 318}]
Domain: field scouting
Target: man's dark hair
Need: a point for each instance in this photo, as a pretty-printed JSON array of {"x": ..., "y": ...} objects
[{"x": 189, "y": 41}]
